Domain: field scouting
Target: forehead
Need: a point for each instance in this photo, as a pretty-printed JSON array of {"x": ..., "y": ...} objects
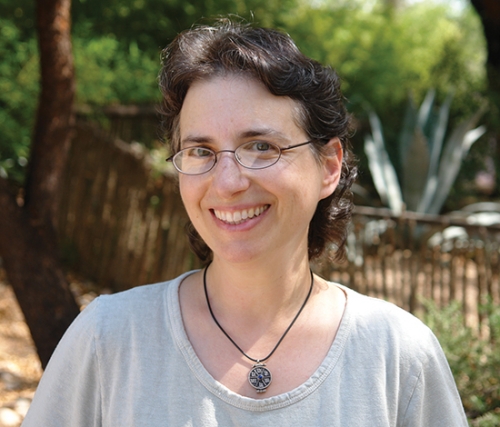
[{"x": 224, "y": 107}]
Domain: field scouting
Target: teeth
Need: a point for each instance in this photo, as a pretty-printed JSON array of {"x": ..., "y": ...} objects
[{"x": 239, "y": 216}]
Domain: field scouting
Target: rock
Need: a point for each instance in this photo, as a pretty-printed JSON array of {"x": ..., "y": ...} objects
[
  {"x": 9, "y": 418},
  {"x": 22, "y": 405},
  {"x": 10, "y": 380}
]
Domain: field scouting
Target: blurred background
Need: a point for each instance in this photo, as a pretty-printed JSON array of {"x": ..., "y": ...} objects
[
  {"x": 95, "y": 207},
  {"x": 386, "y": 51}
]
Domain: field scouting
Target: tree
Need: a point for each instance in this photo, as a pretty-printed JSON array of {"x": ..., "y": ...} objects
[
  {"x": 152, "y": 24},
  {"x": 119, "y": 43},
  {"x": 28, "y": 238},
  {"x": 383, "y": 52},
  {"x": 489, "y": 13}
]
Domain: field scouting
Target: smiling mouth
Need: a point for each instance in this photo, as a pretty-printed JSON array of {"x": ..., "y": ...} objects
[{"x": 237, "y": 217}]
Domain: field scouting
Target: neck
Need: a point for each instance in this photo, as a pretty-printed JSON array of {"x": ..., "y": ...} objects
[
  {"x": 258, "y": 294},
  {"x": 282, "y": 336}
]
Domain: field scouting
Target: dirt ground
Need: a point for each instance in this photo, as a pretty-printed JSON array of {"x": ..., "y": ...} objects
[
  {"x": 19, "y": 365},
  {"x": 20, "y": 368}
]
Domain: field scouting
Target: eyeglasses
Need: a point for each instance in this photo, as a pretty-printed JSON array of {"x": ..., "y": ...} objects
[{"x": 251, "y": 155}]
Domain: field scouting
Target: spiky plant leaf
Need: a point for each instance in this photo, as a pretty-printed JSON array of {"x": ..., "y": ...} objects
[
  {"x": 437, "y": 136},
  {"x": 429, "y": 171},
  {"x": 407, "y": 132},
  {"x": 376, "y": 169},
  {"x": 383, "y": 172},
  {"x": 425, "y": 110},
  {"x": 456, "y": 148},
  {"x": 415, "y": 170},
  {"x": 436, "y": 143}
]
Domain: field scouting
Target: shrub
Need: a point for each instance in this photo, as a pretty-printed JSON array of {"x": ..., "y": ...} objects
[{"x": 474, "y": 358}]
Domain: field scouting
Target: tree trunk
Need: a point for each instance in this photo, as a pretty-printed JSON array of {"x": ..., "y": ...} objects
[
  {"x": 28, "y": 238},
  {"x": 489, "y": 13}
]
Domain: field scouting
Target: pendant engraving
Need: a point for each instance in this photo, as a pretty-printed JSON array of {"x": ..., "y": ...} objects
[{"x": 259, "y": 377}]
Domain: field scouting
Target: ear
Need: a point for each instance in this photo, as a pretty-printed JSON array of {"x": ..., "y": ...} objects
[{"x": 332, "y": 167}]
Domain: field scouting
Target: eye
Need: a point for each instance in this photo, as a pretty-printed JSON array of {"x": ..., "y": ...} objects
[
  {"x": 262, "y": 146},
  {"x": 197, "y": 152},
  {"x": 259, "y": 146},
  {"x": 257, "y": 154}
]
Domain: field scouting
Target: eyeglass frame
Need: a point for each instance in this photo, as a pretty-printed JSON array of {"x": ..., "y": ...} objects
[{"x": 216, "y": 153}]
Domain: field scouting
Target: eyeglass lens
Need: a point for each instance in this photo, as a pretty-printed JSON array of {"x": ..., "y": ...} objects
[{"x": 252, "y": 155}]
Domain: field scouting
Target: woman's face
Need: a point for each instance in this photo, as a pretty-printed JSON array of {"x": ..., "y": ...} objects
[{"x": 245, "y": 214}]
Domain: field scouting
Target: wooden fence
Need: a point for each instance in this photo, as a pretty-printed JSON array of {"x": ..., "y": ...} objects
[
  {"x": 126, "y": 122},
  {"x": 122, "y": 224},
  {"x": 409, "y": 258}
]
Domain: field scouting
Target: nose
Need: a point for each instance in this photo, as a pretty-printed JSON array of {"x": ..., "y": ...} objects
[{"x": 228, "y": 176}]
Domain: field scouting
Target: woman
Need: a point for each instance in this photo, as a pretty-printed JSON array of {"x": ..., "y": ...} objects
[{"x": 259, "y": 136}]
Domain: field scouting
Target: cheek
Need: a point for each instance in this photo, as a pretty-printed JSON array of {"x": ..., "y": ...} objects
[
  {"x": 189, "y": 196},
  {"x": 300, "y": 197},
  {"x": 183, "y": 189}
]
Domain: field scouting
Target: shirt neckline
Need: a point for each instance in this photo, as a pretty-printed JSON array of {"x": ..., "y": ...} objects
[{"x": 248, "y": 403}]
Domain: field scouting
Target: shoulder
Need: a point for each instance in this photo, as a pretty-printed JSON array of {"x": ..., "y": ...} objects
[
  {"x": 133, "y": 308},
  {"x": 382, "y": 325},
  {"x": 375, "y": 312},
  {"x": 133, "y": 299},
  {"x": 395, "y": 343},
  {"x": 380, "y": 315}
]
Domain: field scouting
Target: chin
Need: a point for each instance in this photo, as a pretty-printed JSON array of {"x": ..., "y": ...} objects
[{"x": 239, "y": 254}]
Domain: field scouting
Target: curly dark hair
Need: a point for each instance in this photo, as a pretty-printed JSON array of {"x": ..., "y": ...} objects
[{"x": 272, "y": 58}]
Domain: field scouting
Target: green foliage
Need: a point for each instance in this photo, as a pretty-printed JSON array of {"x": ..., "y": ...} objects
[
  {"x": 20, "y": 13},
  {"x": 384, "y": 55},
  {"x": 18, "y": 91},
  {"x": 474, "y": 359},
  {"x": 118, "y": 57},
  {"x": 117, "y": 47},
  {"x": 153, "y": 23},
  {"x": 428, "y": 165},
  {"x": 381, "y": 55},
  {"x": 108, "y": 74}
]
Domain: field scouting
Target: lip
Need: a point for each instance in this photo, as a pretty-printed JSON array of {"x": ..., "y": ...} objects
[{"x": 239, "y": 216}]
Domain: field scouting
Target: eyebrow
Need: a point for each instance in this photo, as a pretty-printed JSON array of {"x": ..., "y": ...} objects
[
  {"x": 251, "y": 133},
  {"x": 196, "y": 139}
]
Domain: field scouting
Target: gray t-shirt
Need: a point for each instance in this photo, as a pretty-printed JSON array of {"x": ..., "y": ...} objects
[{"x": 126, "y": 361}]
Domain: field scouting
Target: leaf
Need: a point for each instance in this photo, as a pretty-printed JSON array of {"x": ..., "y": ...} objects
[
  {"x": 436, "y": 144},
  {"x": 375, "y": 166},
  {"x": 437, "y": 136},
  {"x": 426, "y": 108},
  {"x": 415, "y": 170},
  {"x": 455, "y": 150},
  {"x": 383, "y": 172},
  {"x": 428, "y": 171},
  {"x": 471, "y": 137},
  {"x": 407, "y": 132}
]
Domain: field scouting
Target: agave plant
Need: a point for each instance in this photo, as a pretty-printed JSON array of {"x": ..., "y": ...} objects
[{"x": 429, "y": 163}]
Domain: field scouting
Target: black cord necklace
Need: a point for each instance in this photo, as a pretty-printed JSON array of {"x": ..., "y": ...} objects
[{"x": 259, "y": 376}]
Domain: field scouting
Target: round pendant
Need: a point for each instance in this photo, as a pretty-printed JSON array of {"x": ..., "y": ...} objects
[{"x": 259, "y": 377}]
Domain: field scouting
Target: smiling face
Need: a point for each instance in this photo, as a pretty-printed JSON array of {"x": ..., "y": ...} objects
[{"x": 244, "y": 214}]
